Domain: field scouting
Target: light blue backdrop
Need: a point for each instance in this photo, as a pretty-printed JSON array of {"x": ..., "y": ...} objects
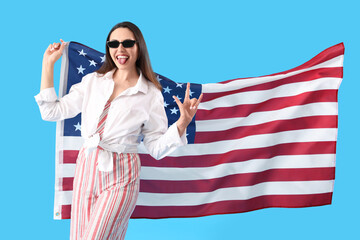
[{"x": 196, "y": 41}]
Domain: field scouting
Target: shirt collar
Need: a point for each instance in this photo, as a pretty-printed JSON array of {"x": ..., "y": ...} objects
[{"x": 141, "y": 85}]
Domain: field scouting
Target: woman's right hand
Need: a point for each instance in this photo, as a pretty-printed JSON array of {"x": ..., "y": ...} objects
[{"x": 53, "y": 53}]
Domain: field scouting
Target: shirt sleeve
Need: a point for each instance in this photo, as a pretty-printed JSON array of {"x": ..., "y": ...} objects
[
  {"x": 160, "y": 140},
  {"x": 54, "y": 109}
]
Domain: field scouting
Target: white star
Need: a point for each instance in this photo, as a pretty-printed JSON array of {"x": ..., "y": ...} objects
[
  {"x": 102, "y": 58},
  {"x": 178, "y": 98},
  {"x": 77, "y": 127},
  {"x": 165, "y": 104},
  {"x": 179, "y": 85},
  {"x": 82, "y": 52},
  {"x": 92, "y": 63},
  {"x": 187, "y": 134},
  {"x": 81, "y": 69},
  {"x": 191, "y": 93},
  {"x": 167, "y": 89},
  {"x": 174, "y": 110},
  {"x": 158, "y": 78}
]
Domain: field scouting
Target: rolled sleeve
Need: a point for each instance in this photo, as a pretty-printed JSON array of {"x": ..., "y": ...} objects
[
  {"x": 160, "y": 140},
  {"x": 46, "y": 95},
  {"x": 54, "y": 109}
]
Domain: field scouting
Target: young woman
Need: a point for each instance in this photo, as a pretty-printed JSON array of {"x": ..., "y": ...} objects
[{"x": 120, "y": 104}]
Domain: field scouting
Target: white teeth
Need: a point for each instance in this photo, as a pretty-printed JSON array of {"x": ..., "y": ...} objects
[{"x": 121, "y": 57}]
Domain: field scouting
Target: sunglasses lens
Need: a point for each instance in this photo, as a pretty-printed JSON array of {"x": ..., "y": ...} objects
[
  {"x": 113, "y": 44},
  {"x": 128, "y": 43}
]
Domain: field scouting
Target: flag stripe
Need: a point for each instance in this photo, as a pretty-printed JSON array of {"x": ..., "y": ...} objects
[
  {"x": 233, "y": 206},
  {"x": 237, "y": 180},
  {"x": 70, "y": 156},
  {"x": 243, "y": 155},
  {"x": 251, "y": 166},
  {"x": 256, "y": 97},
  {"x": 268, "y": 105},
  {"x": 270, "y": 127},
  {"x": 235, "y": 193},
  {"x": 238, "y": 155},
  {"x": 237, "y": 165},
  {"x": 335, "y": 72},
  {"x": 312, "y": 109},
  {"x": 257, "y": 141}
]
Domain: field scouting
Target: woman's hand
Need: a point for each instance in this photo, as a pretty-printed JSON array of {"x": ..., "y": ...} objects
[
  {"x": 187, "y": 110},
  {"x": 53, "y": 53}
]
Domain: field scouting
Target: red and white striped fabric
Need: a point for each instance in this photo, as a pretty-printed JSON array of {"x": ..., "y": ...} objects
[
  {"x": 260, "y": 142},
  {"x": 103, "y": 201}
]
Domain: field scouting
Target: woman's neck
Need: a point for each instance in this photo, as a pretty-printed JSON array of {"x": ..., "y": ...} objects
[{"x": 122, "y": 75}]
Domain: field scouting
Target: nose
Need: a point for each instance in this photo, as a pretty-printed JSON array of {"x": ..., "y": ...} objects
[{"x": 121, "y": 46}]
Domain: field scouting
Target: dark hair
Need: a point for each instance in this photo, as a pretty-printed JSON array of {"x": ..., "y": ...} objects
[{"x": 143, "y": 61}]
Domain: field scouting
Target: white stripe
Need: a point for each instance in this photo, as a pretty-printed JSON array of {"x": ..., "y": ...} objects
[
  {"x": 256, "y": 141},
  {"x": 63, "y": 197},
  {"x": 312, "y": 109},
  {"x": 70, "y": 143},
  {"x": 243, "y": 83},
  {"x": 66, "y": 170},
  {"x": 235, "y": 193},
  {"x": 288, "y": 90},
  {"x": 251, "y": 166}
]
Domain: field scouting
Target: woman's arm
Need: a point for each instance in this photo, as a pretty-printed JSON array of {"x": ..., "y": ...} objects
[
  {"x": 160, "y": 140},
  {"x": 52, "y": 108},
  {"x": 51, "y": 55}
]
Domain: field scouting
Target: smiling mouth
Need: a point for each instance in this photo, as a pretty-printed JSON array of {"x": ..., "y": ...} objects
[{"x": 122, "y": 59}]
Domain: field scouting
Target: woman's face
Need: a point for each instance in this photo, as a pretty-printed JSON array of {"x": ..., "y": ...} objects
[{"x": 124, "y": 58}]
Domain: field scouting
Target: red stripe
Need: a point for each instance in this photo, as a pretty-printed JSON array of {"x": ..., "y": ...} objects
[
  {"x": 302, "y": 77},
  {"x": 269, "y": 105},
  {"x": 67, "y": 183},
  {"x": 324, "y": 56},
  {"x": 65, "y": 211},
  {"x": 241, "y": 155},
  {"x": 101, "y": 121},
  {"x": 234, "y": 206},
  {"x": 70, "y": 156},
  {"x": 224, "y": 207},
  {"x": 237, "y": 180},
  {"x": 125, "y": 190},
  {"x": 268, "y": 127},
  {"x": 234, "y": 156}
]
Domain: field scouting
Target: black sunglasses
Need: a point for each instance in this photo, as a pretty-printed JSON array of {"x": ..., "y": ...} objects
[{"x": 126, "y": 43}]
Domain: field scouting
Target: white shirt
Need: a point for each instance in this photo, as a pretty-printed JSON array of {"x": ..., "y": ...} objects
[{"x": 136, "y": 112}]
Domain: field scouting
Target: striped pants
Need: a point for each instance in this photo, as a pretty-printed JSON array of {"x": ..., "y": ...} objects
[{"x": 103, "y": 201}]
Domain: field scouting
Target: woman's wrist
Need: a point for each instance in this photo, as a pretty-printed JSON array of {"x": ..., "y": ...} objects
[
  {"x": 48, "y": 65},
  {"x": 181, "y": 126}
]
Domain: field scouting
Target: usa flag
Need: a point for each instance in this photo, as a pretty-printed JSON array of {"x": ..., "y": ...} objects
[{"x": 254, "y": 143}]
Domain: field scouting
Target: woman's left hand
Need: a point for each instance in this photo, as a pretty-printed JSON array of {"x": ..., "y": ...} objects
[{"x": 187, "y": 110}]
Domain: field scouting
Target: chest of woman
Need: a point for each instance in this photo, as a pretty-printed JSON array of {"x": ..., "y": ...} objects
[{"x": 127, "y": 112}]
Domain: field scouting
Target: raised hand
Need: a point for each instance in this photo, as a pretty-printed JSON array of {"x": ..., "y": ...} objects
[
  {"x": 53, "y": 52},
  {"x": 51, "y": 55},
  {"x": 187, "y": 109}
]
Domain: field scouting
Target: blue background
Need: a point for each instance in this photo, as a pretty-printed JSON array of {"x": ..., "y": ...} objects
[{"x": 196, "y": 41}]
